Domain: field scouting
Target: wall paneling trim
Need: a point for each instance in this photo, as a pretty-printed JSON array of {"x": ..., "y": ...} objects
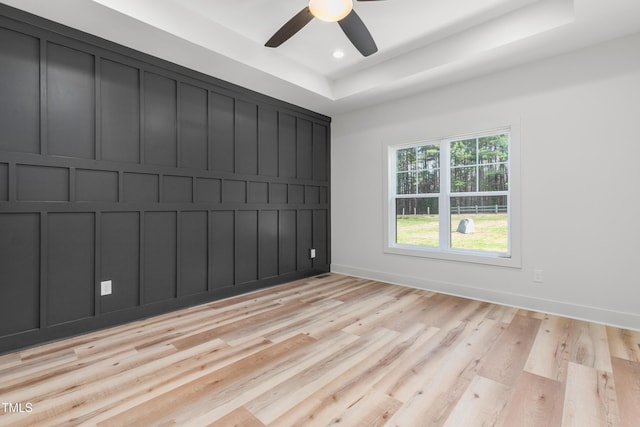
[{"x": 177, "y": 187}]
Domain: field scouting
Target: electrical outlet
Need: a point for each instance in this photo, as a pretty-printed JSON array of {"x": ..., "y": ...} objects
[
  {"x": 538, "y": 276},
  {"x": 312, "y": 253},
  {"x": 105, "y": 288}
]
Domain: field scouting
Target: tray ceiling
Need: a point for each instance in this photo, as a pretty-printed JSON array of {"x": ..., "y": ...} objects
[{"x": 423, "y": 44}]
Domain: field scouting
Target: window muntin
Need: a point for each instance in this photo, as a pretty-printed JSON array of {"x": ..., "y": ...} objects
[{"x": 429, "y": 201}]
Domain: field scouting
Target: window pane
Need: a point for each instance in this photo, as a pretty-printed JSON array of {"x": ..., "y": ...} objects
[
  {"x": 463, "y": 153},
  {"x": 429, "y": 181},
  {"x": 463, "y": 179},
  {"x": 405, "y": 159},
  {"x": 493, "y": 177},
  {"x": 480, "y": 223},
  {"x": 428, "y": 157},
  {"x": 417, "y": 222},
  {"x": 406, "y": 183},
  {"x": 493, "y": 149}
]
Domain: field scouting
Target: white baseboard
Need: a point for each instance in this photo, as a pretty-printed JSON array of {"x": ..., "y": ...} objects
[{"x": 558, "y": 308}]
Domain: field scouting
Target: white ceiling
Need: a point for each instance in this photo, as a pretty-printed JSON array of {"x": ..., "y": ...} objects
[{"x": 423, "y": 44}]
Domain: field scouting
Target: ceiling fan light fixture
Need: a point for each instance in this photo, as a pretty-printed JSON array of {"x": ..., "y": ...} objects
[{"x": 330, "y": 10}]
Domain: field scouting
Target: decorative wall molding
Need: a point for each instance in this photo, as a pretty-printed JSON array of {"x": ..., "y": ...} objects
[{"x": 177, "y": 187}]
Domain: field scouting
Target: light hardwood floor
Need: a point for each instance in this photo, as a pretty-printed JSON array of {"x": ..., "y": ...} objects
[{"x": 332, "y": 351}]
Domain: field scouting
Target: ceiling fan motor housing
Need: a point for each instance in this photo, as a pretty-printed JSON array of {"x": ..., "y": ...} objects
[
  {"x": 340, "y": 11},
  {"x": 330, "y": 10}
]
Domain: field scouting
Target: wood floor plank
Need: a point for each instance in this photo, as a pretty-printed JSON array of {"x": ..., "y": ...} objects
[
  {"x": 269, "y": 406},
  {"x": 624, "y": 344},
  {"x": 30, "y": 369},
  {"x": 401, "y": 381},
  {"x": 406, "y": 380},
  {"x": 502, "y": 313},
  {"x": 332, "y": 350},
  {"x": 381, "y": 317},
  {"x": 373, "y": 409},
  {"x": 439, "y": 308},
  {"x": 535, "y": 402},
  {"x": 529, "y": 313},
  {"x": 336, "y": 315},
  {"x": 75, "y": 402},
  {"x": 9, "y": 361},
  {"x": 346, "y": 314},
  {"x": 369, "y": 289},
  {"x": 195, "y": 334},
  {"x": 247, "y": 392},
  {"x": 317, "y": 312},
  {"x": 272, "y": 323},
  {"x": 590, "y": 398},
  {"x": 511, "y": 351},
  {"x": 444, "y": 382},
  {"x": 481, "y": 404},
  {"x": 549, "y": 356},
  {"x": 339, "y": 286},
  {"x": 590, "y": 346},
  {"x": 416, "y": 312},
  {"x": 167, "y": 404},
  {"x": 626, "y": 375},
  {"x": 247, "y": 323},
  {"x": 309, "y": 292},
  {"x": 239, "y": 417},
  {"x": 346, "y": 389},
  {"x": 47, "y": 384},
  {"x": 196, "y": 362}
]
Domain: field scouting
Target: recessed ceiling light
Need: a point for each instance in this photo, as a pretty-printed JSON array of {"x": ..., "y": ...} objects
[{"x": 338, "y": 54}]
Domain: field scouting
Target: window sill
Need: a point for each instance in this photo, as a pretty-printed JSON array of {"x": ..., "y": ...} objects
[{"x": 456, "y": 256}]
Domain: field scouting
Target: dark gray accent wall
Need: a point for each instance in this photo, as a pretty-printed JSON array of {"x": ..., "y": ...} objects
[{"x": 176, "y": 186}]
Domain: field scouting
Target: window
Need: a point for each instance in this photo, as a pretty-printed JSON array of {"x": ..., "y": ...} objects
[{"x": 451, "y": 198}]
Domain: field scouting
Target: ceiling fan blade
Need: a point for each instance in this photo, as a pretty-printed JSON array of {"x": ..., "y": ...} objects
[
  {"x": 358, "y": 33},
  {"x": 294, "y": 25}
]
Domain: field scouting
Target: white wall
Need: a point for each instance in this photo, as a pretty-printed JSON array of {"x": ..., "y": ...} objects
[{"x": 579, "y": 119}]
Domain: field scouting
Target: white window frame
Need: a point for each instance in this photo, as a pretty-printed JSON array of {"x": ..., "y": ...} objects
[{"x": 444, "y": 252}]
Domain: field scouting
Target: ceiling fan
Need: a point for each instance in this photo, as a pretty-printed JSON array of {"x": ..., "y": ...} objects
[{"x": 340, "y": 11}]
